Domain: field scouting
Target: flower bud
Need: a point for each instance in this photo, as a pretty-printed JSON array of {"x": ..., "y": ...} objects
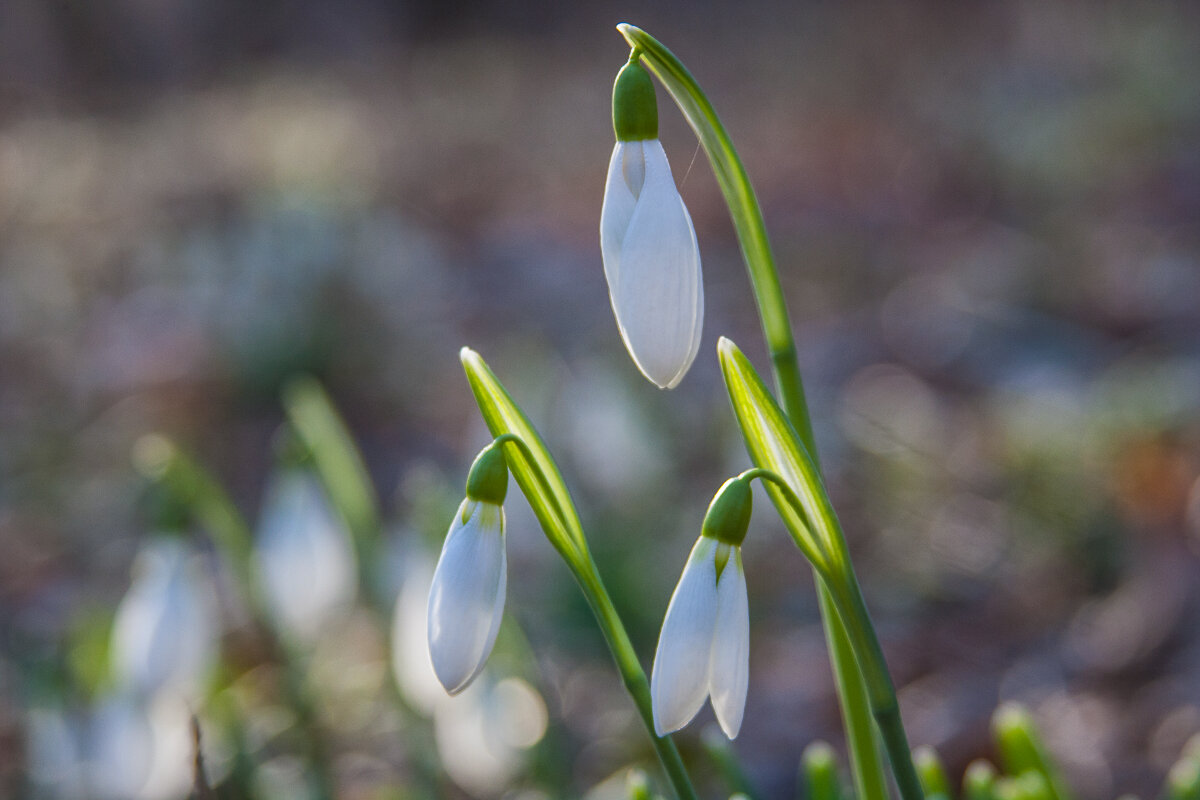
[
  {"x": 488, "y": 479},
  {"x": 635, "y": 108},
  {"x": 728, "y": 515}
]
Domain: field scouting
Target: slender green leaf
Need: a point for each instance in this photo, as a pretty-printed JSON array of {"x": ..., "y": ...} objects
[
  {"x": 549, "y": 498},
  {"x": 335, "y": 454},
  {"x": 774, "y": 444},
  {"x": 343, "y": 473}
]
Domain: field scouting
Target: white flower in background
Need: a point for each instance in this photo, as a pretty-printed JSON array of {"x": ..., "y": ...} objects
[
  {"x": 304, "y": 554},
  {"x": 118, "y": 749},
  {"x": 410, "y": 638},
  {"x": 704, "y": 646},
  {"x": 466, "y": 599},
  {"x": 483, "y": 734},
  {"x": 651, "y": 257},
  {"x": 165, "y": 630},
  {"x": 142, "y": 749}
]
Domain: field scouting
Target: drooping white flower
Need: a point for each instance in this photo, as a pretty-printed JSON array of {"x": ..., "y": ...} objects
[
  {"x": 704, "y": 646},
  {"x": 651, "y": 262},
  {"x": 305, "y": 557},
  {"x": 165, "y": 630},
  {"x": 651, "y": 259},
  {"x": 466, "y": 599}
]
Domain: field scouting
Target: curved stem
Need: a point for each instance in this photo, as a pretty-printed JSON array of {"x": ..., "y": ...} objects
[
  {"x": 743, "y": 208},
  {"x": 814, "y": 551},
  {"x": 777, "y": 330},
  {"x": 615, "y": 636}
]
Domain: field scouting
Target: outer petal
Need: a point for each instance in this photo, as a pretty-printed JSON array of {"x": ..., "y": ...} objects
[
  {"x": 729, "y": 669},
  {"x": 679, "y": 680},
  {"x": 626, "y": 174},
  {"x": 659, "y": 297},
  {"x": 466, "y": 600}
]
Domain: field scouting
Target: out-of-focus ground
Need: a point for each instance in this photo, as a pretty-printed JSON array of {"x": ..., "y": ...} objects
[{"x": 987, "y": 220}]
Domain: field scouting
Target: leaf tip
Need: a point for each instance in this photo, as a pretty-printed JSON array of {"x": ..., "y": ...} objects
[
  {"x": 628, "y": 31},
  {"x": 726, "y": 347},
  {"x": 466, "y": 355}
]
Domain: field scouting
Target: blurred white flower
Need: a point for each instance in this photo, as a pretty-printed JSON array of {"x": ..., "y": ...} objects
[
  {"x": 482, "y": 734},
  {"x": 410, "y": 635},
  {"x": 305, "y": 557},
  {"x": 704, "y": 647},
  {"x": 651, "y": 262},
  {"x": 466, "y": 600},
  {"x": 165, "y": 630}
]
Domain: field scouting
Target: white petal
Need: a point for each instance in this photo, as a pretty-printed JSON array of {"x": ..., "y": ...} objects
[
  {"x": 466, "y": 600},
  {"x": 730, "y": 667},
  {"x": 659, "y": 297},
  {"x": 620, "y": 197},
  {"x": 679, "y": 679}
]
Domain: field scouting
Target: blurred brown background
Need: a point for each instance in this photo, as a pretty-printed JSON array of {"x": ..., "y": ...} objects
[{"x": 987, "y": 219}]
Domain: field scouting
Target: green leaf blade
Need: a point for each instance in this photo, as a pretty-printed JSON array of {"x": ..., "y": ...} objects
[
  {"x": 550, "y": 501},
  {"x": 773, "y": 444}
]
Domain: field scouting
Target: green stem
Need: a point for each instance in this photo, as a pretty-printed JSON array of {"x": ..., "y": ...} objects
[
  {"x": 580, "y": 562},
  {"x": 869, "y": 780},
  {"x": 777, "y": 330},
  {"x": 881, "y": 692},
  {"x": 632, "y": 674}
]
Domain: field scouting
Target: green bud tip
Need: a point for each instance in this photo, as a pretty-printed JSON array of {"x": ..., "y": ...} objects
[
  {"x": 728, "y": 515},
  {"x": 488, "y": 479},
  {"x": 635, "y": 108},
  {"x": 979, "y": 780}
]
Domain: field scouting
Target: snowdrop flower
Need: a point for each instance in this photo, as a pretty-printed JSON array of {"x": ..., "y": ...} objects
[
  {"x": 651, "y": 258},
  {"x": 466, "y": 598},
  {"x": 165, "y": 630},
  {"x": 704, "y": 646},
  {"x": 305, "y": 558}
]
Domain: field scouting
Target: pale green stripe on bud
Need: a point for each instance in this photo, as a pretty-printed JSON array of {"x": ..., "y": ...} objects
[{"x": 818, "y": 767}]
